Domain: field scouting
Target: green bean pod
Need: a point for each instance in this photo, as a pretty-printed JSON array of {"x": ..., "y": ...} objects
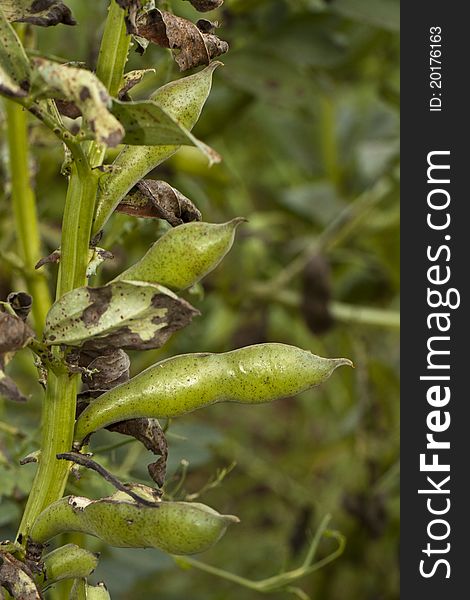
[
  {"x": 174, "y": 527},
  {"x": 68, "y": 562},
  {"x": 183, "y": 99},
  {"x": 184, "y": 254},
  {"x": 184, "y": 383}
]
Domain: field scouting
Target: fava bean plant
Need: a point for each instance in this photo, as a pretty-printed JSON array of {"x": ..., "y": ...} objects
[{"x": 79, "y": 341}]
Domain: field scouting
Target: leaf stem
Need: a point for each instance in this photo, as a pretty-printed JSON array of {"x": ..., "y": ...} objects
[{"x": 25, "y": 213}]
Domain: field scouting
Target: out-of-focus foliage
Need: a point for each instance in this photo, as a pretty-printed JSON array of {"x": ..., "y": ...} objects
[{"x": 305, "y": 116}]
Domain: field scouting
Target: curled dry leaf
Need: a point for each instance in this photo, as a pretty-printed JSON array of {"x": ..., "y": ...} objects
[
  {"x": 17, "y": 578},
  {"x": 53, "y": 258},
  {"x": 14, "y": 333},
  {"x": 104, "y": 370},
  {"x": 206, "y": 5},
  {"x": 158, "y": 200},
  {"x": 132, "y": 8},
  {"x": 151, "y": 435},
  {"x": 130, "y": 315},
  {"x": 316, "y": 295},
  {"x": 21, "y": 303},
  {"x": 85, "y": 90},
  {"x": 191, "y": 46},
  {"x": 38, "y": 12}
]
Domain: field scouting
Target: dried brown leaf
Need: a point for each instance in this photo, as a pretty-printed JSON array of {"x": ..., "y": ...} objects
[
  {"x": 17, "y": 578},
  {"x": 150, "y": 434},
  {"x": 21, "y": 303},
  {"x": 37, "y": 12},
  {"x": 191, "y": 46},
  {"x": 159, "y": 200},
  {"x": 14, "y": 333},
  {"x": 206, "y": 5}
]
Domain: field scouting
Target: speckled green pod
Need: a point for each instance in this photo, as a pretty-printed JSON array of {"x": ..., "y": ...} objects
[
  {"x": 184, "y": 255},
  {"x": 174, "y": 527},
  {"x": 183, "y": 99},
  {"x": 184, "y": 383},
  {"x": 68, "y": 562}
]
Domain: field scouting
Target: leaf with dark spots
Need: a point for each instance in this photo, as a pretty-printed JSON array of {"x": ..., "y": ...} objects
[
  {"x": 206, "y": 5},
  {"x": 147, "y": 123},
  {"x": 83, "y": 89},
  {"x": 158, "y": 200},
  {"x": 130, "y": 315},
  {"x": 14, "y": 333},
  {"x": 9, "y": 389},
  {"x": 21, "y": 303},
  {"x": 17, "y": 579},
  {"x": 191, "y": 47},
  {"x": 130, "y": 80},
  {"x": 151, "y": 435},
  {"x": 37, "y": 12},
  {"x": 15, "y": 70},
  {"x": 316, "y": 296}
]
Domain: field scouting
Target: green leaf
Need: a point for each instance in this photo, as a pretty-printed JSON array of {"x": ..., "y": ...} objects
[
  {"x": 147, "y": 123},
  {"x": 14, "y": 64},
  {"x": 85, "y": 90},
  {"x": 43, "y": 13},
  {"x": 131, "y": 314}
]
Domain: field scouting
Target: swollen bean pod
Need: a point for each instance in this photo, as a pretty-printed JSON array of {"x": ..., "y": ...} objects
[
  {"x": 174, "y": 527},
  {"x": 184, "y": 383},
  {"x": 184, "y": 255},
  {"x": 68, "y": 562}
]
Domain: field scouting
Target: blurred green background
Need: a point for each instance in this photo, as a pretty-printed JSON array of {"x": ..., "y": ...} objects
[{"x": 305, "y": 115}]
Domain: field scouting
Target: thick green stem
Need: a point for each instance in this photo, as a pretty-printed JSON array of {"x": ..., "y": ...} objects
[
  {"x": 60, "y": 400},
  {"x": 24, "y": 211}
]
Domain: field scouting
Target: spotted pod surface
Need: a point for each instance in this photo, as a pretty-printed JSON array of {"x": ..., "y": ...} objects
[
  {"x": 184, "y": 254},
  {"x": 182, "y": 99},
  {"x": 68, "y": 562},
  {"x": 174, "y": 527},
  {"x": 184, "y": 383}
]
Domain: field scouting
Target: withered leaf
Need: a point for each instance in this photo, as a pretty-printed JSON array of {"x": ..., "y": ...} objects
[
  {"x": 14, "y": 333},
  {"x": 85, "y": 90},
  {"x": 158, "y": 200},
  {"x": 130, "y": 80},
  {"x": 206, "y": 5},
  {"x": 316, "y": 295},
  {"x": 104, "y": 370},
  {"x": 151, "y": 435},
  {"x": 9, "y": 389},
  {"x": 53, "y": 258},
  {"x": 38, "y": 12},
  {"x": 132, "y": 8},
  {"x": 131, "y": 315},
  {"x": 21, "y": 303},
  {"x": 191, "y": 47},
  {"x": 17, "y": 578}
]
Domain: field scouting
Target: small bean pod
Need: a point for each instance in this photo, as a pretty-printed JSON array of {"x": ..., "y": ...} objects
[
  {"x": 183, "y": 99},
  {"x": 174, "y": 527},
  {"x": 184, "y": 255},
  {"x": 184, "y": 383},
  {"x": 68, "y": 562}
]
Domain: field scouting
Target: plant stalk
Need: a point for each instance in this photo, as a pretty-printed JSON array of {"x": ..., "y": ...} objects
[
  {"x": 60, "y": 401},
  {"x": 25, "y": 213}
]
